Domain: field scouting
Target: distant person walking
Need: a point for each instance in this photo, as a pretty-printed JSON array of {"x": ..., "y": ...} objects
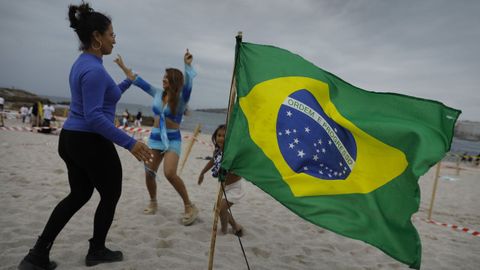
[
  {"x": 125, "y": 118},
  {"x": 34, "y": 114},
  {"x": 2, "y": 101},
  {"x": 138, "y": 119},
  {"x": 24, "y": 112},
  {"x": 85, "y": 143},
  {"x": 48, "y": 111}
]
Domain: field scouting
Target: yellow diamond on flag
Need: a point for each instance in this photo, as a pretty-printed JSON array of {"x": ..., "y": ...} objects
[{"x": 345, "y": 160}]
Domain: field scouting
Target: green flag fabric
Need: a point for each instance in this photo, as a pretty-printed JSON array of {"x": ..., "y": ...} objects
[{"x": 341, "y": 157}]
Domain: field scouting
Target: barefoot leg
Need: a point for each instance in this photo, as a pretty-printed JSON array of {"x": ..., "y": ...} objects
[{"x": 224, "y": 216}]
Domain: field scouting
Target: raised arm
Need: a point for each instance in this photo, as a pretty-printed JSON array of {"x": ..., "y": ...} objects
[
  {"x": 190, "y": 73},
  {"x": 125, "y": 84},
  {"x": 128, "y": 72},
  {"x": 137, "y": 80}
]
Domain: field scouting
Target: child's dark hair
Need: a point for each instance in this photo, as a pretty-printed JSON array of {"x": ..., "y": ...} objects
[
  {"x": 214, "y": 135},
  {"x": 84, "y": 20}
]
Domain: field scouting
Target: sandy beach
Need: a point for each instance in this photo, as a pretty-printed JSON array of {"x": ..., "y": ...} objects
[{"x": 33, "y": 180}]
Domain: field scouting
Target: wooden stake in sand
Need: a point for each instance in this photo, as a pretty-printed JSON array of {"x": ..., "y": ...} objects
[
  {"x": 231, "y": 100},
  {"x": 1, "y": 119},
  {"x": 457, "y": 169},
  {"x": 189, "y": 147},
  {"x": 437, "y": 174}
]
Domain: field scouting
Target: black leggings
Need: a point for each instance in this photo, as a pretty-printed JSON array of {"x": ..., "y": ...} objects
[{"x": 92, "y": 162}]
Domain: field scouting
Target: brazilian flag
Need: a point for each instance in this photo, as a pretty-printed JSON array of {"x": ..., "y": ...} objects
[{"x": 341, "y": 157}]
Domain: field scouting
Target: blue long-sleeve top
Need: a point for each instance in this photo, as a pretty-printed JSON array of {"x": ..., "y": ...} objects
[
  {"x": 94, "y": 98},
  {"x": 157, "y": 93}
]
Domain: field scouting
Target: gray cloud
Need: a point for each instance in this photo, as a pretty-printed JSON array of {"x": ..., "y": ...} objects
[{"x": 427, "y": 48}]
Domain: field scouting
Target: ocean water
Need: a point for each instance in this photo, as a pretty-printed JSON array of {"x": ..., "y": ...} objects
[
  {"x": 209, "y": 121},
  {"x": 133, "y": 109},
  {"x": 460, "y": 146}
]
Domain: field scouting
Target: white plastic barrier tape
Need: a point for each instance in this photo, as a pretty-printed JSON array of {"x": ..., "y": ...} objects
[
  {"x": 134, "y": 129},
  {"x": 29, "y": 129},
  {"x": 455, "y": 227}
]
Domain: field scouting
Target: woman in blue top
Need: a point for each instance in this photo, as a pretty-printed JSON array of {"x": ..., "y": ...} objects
[
  {"x": 85, "y": 142},
  {"x": 165, "y": 140}
]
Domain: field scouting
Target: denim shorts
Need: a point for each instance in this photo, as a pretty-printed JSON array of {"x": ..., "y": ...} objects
[{"x": 174, "y": 141}]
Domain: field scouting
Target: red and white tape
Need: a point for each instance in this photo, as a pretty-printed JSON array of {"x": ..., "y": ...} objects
[
  {"x": 29, "y": 129},
  {"x": 455, "y": 227},
  {"x": 16, "y": 128},
  {"x": 134, "y": 129}
]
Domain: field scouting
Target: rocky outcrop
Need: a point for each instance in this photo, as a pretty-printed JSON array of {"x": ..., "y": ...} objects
[{"x": 18, "y": 97}]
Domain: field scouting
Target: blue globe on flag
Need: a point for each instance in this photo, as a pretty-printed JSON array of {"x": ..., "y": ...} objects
[{"x": 311, "y": 142}]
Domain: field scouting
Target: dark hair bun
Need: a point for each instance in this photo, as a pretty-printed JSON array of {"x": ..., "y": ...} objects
[
  {"x": 85, "y": 21},
  {"x": 78, "y": 14}
]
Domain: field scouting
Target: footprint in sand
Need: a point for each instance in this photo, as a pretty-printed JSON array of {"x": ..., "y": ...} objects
[
  {"x": 165, "y": 244},
  {"x": 262, "y": 253},
  {"x": 307, "y": 250},
  {"x": 164, "y": 233},
  {"x": 59, "y": 171}
]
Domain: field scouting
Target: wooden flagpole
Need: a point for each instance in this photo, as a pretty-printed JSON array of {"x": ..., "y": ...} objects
[
  {"x": 437, "y": 173},
  {"x": 231, "y": 100},
  {"x": 457, "y": 168},
  {"x": 216, "y": 213},
  {"x": 189, "y": 147}
]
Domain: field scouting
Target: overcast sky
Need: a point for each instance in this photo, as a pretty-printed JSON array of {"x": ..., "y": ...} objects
[{"x": 428, "y": 49}]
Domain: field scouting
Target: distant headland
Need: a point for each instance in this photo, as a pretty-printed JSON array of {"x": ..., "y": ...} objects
[
  {"x": 18, "y": 97},
  {"x": 219, "y": 110}
]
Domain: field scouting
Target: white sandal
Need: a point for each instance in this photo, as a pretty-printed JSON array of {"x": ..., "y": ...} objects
[
  {"x": 189, "y": 218},
  {"x": 151, "y": 208}
]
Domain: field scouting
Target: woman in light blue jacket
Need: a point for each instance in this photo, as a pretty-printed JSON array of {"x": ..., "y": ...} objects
[{"x": 169, "y": 104}]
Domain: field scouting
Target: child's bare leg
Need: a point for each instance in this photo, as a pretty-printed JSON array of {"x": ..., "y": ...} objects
[
  {"x": 231, "y": 220},
  {"x": 224, "y": 216},
  {"x": 236, "y": 227}
]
